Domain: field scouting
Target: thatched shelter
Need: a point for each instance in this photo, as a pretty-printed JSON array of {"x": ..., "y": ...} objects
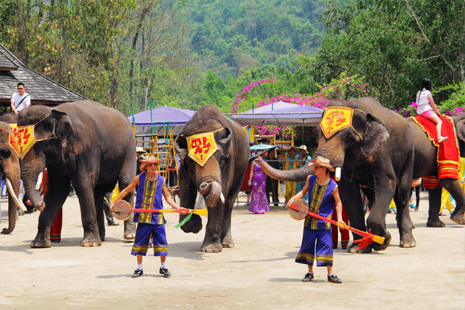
[{"x": 41, "y": 89}]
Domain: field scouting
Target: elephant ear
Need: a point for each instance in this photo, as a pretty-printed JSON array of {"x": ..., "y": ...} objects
[
  {"x": 180, "y": 144},
  {"x": 225, "y": 143},
  {"x": 375, "y": 134},
  {"x": 62, "y": 127}
]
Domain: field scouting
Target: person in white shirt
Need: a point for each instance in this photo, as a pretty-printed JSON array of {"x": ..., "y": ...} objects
[
  {"x": 20, "y": 100},
  {"x": 426, "y": 105}
]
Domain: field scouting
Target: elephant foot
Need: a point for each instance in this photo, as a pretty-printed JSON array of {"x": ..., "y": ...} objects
[
  {"x": 353, "y": 249},
  {"x": 41, "y": 243},
  {"x": 435, "y": 223},
  {"x": 228, "y": 243},
  {"x": 458, "y": 217},
  {"x": 407, "y": 242},
  {"x": 382, "y": 247},
  {"x": 129, "y": 235},
  {"x": 91, "y": 241},
  {"x": 215, "y": 247}
]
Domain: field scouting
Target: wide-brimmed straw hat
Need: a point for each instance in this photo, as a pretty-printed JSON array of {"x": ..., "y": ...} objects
[
  {"x": 149, "y": 160},
  {"x": 140, "y": 150},
  {"x": 321, "y": 162},
  {"x": 303, "y": 147}
]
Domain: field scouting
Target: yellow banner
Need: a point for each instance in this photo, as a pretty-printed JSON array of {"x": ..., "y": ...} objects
[
  {"x": 201, "y": 147},
  {"x": 336, "y": 119},
  {"x": 25, "y": 139}
]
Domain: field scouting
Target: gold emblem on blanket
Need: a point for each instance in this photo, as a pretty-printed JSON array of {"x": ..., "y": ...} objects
[
  {"x": 201, "y": 147},
  {"x": 336, "y": 119}
]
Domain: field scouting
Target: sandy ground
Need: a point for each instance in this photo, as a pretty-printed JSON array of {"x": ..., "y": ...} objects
[{"x": 259, "y": 273}]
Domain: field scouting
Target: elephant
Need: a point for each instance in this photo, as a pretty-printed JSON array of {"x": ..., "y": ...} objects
[
  {"x": 374, "y": 148},
  {"x": 9, "y": 167},
  {"x": 214, "y": 153},
  {"x": 85, "y": 143},
  {"x": 426, "y": 164}
]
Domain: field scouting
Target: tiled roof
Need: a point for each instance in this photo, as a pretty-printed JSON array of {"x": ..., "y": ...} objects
[{"x": 41, "y": 89}]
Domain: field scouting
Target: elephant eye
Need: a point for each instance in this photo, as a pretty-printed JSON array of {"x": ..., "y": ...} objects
[{"x": 348, "y": 139}]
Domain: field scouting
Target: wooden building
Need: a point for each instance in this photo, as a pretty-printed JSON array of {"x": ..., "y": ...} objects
[{"x": 42, "y": 90}]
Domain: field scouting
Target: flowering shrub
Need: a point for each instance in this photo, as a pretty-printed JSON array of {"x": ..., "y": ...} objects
[{"x": 242, "y": 95}]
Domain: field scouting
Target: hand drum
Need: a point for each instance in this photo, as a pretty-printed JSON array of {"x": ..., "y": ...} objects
[
  {"x": 121, "y": 210},
  {"x": 302, "y": 212}
]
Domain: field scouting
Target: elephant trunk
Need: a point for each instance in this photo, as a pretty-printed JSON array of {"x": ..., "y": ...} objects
[
  {"x": 30, "y": 181},
  {"x": 299, "y": 175},
  {"x": 13, "y": 201},
  {"x": 212, "y": 192}
]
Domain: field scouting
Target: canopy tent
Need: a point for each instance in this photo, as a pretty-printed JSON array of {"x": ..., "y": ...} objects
[
  {"x": 281, "y": 113},
  {"x": 261, "y": 146},
  {"x": 164, "y": 114}
]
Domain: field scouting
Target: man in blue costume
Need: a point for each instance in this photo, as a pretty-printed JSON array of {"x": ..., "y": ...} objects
[
  {"x": 323, "y": 197},
  {"x": 150, "y": 188}
]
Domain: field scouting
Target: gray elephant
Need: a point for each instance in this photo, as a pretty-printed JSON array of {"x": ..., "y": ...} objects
[
  {"x": 374, "y": 148},
  {"x": 214, "y": 153},
  {"x": 85, "y": 143},
  {"x": 9, "y": 167},
  {"x": 426, "y": 164}
]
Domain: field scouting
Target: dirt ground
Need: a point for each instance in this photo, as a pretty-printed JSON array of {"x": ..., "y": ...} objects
[{"x": 259, "y": 273}]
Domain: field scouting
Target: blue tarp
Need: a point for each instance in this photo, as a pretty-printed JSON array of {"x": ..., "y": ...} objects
[
  {"x": 163, "y": 115},
  {"x": 281, "y": 113}
]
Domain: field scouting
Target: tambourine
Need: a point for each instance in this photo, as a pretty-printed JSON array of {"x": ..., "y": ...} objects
[
  {"x": 302, "y": 211},
  {"x": 121, "y": 210}
]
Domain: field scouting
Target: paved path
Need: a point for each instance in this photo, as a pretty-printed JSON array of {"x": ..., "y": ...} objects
[{"x": 259, "y": 273}]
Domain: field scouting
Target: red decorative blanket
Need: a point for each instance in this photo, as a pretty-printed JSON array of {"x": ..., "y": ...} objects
[{"x": 448, "y": 151}]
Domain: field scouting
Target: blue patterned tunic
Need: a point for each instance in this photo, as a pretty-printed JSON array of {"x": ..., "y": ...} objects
[{"x": 149, "y": 196}]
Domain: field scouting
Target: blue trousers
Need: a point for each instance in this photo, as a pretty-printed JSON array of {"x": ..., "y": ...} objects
[
  {"x": 141, "y": 242},
  {"x": 323, "y": 248}
]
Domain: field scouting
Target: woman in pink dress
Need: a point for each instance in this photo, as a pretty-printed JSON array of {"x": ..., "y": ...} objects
[{"x": 258, "y": 202}]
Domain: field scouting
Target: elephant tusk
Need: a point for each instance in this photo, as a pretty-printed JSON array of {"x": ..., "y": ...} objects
[
  {"x": 338, "y": 173},
  {"x": 222, "y": 197},
  {"x": 19, "y": 203}
]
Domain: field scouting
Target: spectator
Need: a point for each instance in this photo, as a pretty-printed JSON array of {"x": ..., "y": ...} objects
[
  {"x": 257, "y": 179},
  {"x": 20, "y": 100},
  {"x": 272, "y": 185}
]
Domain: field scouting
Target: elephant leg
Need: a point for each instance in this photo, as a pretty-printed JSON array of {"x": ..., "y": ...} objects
[
  {"x": 351, "y": 197},
  {"x": 404, "y": 222},
  {"x": 212, "y": 240},
  {"x": 98, "y": 201},
  {"x": 434, "y": 207},
  {"x": 376, "y": 221},
  {"x": 58, "y": 189},
  {"x": 457, "y": 192},
  {"x": 402, "y": 201},
  {"x": 125, "y": 178},
  {"x": 226, "y": 236},
  {"x": 84, "y": 188}
]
